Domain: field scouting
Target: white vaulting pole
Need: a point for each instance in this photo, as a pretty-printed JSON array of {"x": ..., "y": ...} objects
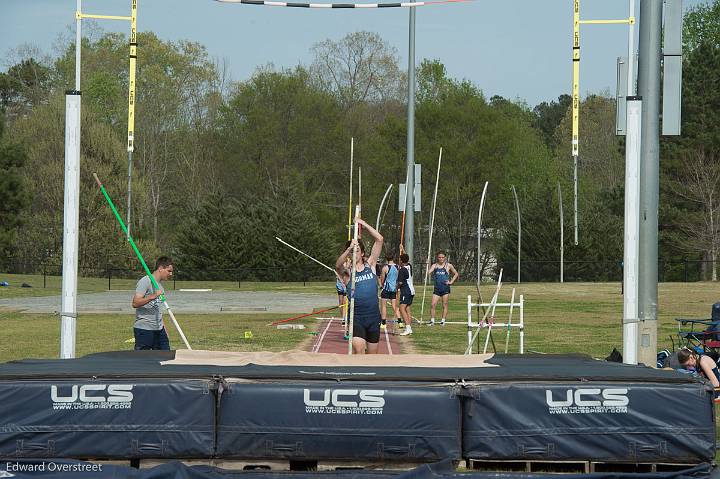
[
  {"x": 432, "y": 226},
  {"x": 382, "y": 203},
  {"x": 492, "y": 317},
  {"x": 479, "y": 234},
  {"x": 353, "y": 273},
  {"x": 352, "y": 154},
  {"x": 306, "y": 255}
]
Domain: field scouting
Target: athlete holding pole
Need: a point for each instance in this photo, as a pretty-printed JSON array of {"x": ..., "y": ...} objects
[{"x": 366, "y": 312}]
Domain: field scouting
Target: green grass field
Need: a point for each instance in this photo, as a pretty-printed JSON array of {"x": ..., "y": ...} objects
[{"x": 570, "y": 317}]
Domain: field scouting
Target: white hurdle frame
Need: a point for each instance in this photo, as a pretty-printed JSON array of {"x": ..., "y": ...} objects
[{"x": 497, "y": 326}]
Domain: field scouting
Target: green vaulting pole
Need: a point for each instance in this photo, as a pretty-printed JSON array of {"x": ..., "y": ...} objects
[{"x": 142, "y": 261}]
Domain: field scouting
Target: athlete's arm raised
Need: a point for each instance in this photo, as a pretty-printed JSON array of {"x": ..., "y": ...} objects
[{"x": 377, "y": 246}]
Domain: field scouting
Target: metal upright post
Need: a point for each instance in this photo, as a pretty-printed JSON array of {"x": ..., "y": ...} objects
[
  {"x": 519, "y": 241},
  {"x": 649, "y": 89},
  {"x": 71, "y": 211},
  {"x": 632, "y": 224},
  {"x": 562, "y": 236},
  {"x": 410, "y": 163}
]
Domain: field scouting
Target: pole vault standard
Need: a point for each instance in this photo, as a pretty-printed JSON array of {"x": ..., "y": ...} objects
[
  {"x": 432, "y": 226},
  {"x": 562, "y": 236},
  {"x": 71, "y": 215},
  {"x": 576, "y": 89},
  {"x": 131, "y": 90},
  {"x": 142, "y": 261},
  {"x": 131, "y": 105}
]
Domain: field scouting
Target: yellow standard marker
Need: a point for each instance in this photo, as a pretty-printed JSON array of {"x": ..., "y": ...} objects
[
  {"x": 576, "y": 80},
  {"x": 131, "y": 83}
]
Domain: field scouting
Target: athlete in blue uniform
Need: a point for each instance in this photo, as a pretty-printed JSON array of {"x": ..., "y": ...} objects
[
  {"x": 388, "y": 280},
  {"x": 441, "y": 272},
  {"x": 407, "y": 292},
  {"x": 342, "y": 278},
  {"x": 366, "y": 316}
]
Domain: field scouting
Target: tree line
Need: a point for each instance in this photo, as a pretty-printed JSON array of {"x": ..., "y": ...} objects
[{"x": 223, "y": 166}]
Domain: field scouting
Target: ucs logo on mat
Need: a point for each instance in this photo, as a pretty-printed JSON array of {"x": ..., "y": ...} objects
[
  {"x": 92, "y": 396},
  {"x": 587, "y": 401},
  {"x": 344, "y": 401}
]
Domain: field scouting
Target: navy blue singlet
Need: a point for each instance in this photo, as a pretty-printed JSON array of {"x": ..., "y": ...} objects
[
  {"x": 367, "y": 310},
  {"x": 441, "y": 276}
]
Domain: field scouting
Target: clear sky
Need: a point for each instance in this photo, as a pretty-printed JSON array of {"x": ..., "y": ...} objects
[{"x": 514, "y": 48}]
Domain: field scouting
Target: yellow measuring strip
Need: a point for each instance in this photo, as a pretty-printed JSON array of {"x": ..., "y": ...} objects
[{"x": 131, "y": 83}]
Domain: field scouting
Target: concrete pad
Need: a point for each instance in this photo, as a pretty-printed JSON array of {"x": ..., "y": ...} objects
[{"x": 214, "y": 302}]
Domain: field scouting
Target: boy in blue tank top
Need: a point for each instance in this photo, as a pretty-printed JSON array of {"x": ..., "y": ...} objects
[
  {"x": 388, "y": 280},
  {"x": 366, "y": 319},
  {"x": 440, "y": 272}
]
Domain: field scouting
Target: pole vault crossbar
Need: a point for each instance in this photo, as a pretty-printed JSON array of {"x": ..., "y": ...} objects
[
  {"x": 81, "y": 16},
  {"x": 478, "y": 325}
]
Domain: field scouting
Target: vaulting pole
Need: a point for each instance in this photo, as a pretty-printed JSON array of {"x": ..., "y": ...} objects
[
  {"x": 432, "y": 226},
  {"x": 307, "y": 255},
  {"x": 142, "y": 261},
  {"x": 402, "y": 221},
  {"x": 353, "y": 273},
  {"x": 352, "y": 154},
  {"x": 382, "y": 203},
  {"x": 479, "y": 235}
]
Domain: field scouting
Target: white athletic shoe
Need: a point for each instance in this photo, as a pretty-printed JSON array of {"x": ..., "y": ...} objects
[
  {"x": 407, "y": 332},
  {"x": 432, "y": 321},
  {"x": 442, "y": 322}
]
